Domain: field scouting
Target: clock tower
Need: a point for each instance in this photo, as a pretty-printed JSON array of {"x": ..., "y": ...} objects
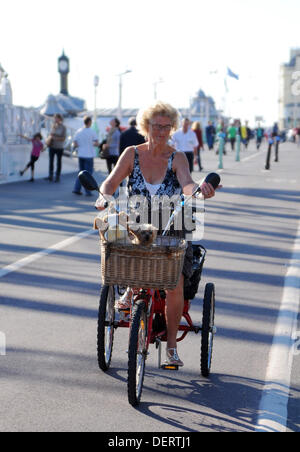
[{"x": 64, "y": 69}]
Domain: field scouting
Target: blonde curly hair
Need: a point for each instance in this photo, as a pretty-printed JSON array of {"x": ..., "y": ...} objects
[{"x": 160, "y": 108}]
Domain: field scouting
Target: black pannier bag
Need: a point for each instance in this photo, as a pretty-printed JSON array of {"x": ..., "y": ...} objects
[{"x": 191, "y": 289}]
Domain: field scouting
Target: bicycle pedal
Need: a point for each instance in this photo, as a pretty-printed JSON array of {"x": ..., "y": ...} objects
[{"x": 169, "y": 367}]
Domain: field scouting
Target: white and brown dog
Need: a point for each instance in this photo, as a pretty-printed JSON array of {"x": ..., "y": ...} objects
[
  {"x": 115, "y": 227},
  {"x": 145, "y": 235}
]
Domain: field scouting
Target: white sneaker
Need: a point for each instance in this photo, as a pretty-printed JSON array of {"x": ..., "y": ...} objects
[
  {"x": 124, "y": 302},
  {"x": 173, "y": 358}
]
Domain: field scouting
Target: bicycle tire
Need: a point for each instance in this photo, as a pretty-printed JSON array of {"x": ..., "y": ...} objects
[
  {"x": 207, "y": 329},
  {"x": 106, "y": 329},
  {"x": 137, "y": 352}
]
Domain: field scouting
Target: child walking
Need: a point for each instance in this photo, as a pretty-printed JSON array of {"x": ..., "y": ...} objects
[{"x": 37, "y": 148}]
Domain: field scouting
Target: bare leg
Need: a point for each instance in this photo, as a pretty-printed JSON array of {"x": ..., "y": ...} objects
[
  {"x": 25, "y": 169},
  {"x": 174, "y": 310}
]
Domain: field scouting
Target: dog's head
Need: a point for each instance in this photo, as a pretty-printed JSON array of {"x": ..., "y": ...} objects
[{"x": 145, "y": 236}]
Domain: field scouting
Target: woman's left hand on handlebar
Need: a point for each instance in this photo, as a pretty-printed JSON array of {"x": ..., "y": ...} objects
[{"x": 208, "y": 190}]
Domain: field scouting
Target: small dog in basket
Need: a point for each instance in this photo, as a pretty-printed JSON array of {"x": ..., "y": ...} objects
[
  {"x": 115, "y": 227},
  {"x": 112, "y": 227},
  {"x": 145, "y": 235}
]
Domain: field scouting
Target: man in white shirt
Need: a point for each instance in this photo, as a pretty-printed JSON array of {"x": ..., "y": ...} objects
[
  {"x": 85, "y": 141},
  {"x": 185, "y": 140}
]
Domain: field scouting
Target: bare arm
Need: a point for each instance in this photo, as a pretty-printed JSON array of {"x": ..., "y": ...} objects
[
  {"x": 120, "y": 172},
  {"x": 25, "y": 138},
  {"x": 123, "y": 169}
]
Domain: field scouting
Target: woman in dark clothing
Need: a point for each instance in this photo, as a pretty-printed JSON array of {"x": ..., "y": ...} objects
[{"x": 196, "y": 127}]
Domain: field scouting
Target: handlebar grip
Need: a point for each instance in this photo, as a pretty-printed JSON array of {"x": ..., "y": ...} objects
[{"x": 213, "y": 179}]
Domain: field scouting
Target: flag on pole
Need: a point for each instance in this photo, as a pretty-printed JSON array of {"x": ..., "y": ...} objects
[
  {"x": 230, "y": 73},
  {"x": 225, "y": 84}
]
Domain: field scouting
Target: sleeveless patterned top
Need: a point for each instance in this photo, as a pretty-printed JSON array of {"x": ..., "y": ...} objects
[{"x": 137, "y": 185}]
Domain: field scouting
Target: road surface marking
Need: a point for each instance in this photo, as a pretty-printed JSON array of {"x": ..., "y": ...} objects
[
  {"x": 52, "y": 249},
  {"x": 273, "y": 410}
]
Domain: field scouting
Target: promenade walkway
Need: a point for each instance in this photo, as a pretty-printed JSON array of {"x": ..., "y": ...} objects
[{"x": 49, "y": 376}]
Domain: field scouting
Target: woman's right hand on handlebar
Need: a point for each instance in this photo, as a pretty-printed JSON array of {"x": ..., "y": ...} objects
[{"x": 101, "y": 203}]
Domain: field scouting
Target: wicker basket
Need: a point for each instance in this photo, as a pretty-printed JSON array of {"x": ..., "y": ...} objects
[{"x": 156, "y": 267}]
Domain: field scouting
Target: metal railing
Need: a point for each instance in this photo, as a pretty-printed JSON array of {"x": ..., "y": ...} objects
[{"x": 17, "y": 120}]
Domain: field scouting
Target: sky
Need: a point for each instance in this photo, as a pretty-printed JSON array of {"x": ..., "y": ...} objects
[{"x": 188, "y": 45}]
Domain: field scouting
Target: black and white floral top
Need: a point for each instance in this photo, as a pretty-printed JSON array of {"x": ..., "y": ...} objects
[{"x": 137, "y": 185}]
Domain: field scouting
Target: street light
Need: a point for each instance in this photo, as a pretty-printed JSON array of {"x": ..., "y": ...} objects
[
  {"x": 120, "y": 93},
  {"x": 96, "y": 84},
  {"x": 160, "y": 80}
]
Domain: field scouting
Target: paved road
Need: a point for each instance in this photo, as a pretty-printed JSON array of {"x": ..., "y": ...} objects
[{"x": 49, "y": 380}]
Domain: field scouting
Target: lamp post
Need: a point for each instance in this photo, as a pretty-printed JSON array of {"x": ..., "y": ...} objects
[
  {"x": 96, "y": 84},
  {"x": 120, "y": 93},
  {"x": 95, "y": 125},
  {"x": 160, "y": 80}
]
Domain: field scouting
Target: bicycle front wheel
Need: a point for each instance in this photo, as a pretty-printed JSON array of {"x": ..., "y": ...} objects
[
  {"x": 137, "y": 352},
  {"x": 106, "y": 328}
]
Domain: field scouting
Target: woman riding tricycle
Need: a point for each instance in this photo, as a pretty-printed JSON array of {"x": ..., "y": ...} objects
[{"x": 156, "y": 169}]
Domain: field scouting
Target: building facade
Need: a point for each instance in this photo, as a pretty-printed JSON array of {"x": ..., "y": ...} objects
[
  {"x": 203, "y": 109},
  {"x": 289, "y": 92}
]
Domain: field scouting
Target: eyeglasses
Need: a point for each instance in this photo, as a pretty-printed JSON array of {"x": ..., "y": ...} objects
[{"x": 159, "y": 127}]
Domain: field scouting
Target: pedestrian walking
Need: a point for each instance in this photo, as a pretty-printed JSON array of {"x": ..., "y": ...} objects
[
  {"x": 231, "y": 133},
  {"x": 185, "y": 140},
  {"x": 131, "y": 136},
  {"x": 196, "y": 127},
  {"x": 244, "y": 133},
  {"x": 55, "y": 142},
  {"x": 296, "y": 136},
  {"x": 210, "y": 132},
  {"x": 221, "y": 137},
  {"x": 37, "y": 148},
  {"x": 85, "y": 140},
  {"x": 259, "y": 134},
  {"x": 112, "y": 145}
]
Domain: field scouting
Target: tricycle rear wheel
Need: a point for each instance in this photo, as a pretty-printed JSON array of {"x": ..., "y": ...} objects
[
  {"x": 106, "y": 328},
  {"x": 207, "y": 329}
]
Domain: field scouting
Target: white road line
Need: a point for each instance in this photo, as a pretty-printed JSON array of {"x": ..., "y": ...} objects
[
  {"x": 52, "y": 249},
  {"x": 252, "y": 156},
  {"x": 273, "y": 410}
]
